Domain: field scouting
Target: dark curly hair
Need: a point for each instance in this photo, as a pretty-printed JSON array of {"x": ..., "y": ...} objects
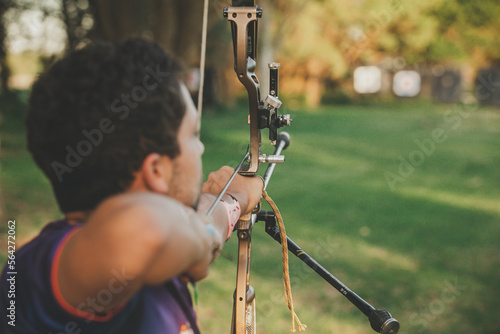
[{"x": 98, "y": 112}]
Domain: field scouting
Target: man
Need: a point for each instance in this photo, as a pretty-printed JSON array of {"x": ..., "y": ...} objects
[{"x": 115, "y": 131}]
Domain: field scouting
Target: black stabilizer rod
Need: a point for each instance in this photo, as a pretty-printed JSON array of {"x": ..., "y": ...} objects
[{"x": 381, "y": 321}]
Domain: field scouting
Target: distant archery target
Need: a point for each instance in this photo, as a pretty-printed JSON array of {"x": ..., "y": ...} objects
[
  {"x": 367, "y": 79},
  {"x": 406, "y": 83},
  {"x": 446, "y": 84}
]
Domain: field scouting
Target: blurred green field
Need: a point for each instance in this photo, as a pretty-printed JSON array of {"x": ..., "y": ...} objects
[{"x": 400, "y": 201}]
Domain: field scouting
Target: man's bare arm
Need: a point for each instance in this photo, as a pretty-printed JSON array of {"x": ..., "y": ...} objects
[
  {"x": 145, "y": 237},
  {"x": 148, "y": 239}
]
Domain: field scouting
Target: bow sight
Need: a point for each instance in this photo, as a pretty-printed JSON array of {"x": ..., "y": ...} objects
[{"x": 244, "y": 16}]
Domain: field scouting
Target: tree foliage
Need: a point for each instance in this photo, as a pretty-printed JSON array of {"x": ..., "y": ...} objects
[
  {"x": 318, "y": 40},
  {"x": 470, "y": 27}
]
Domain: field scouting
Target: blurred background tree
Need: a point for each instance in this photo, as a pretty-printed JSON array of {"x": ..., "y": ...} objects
[
  {"x": 4, "y": 68},
  {"x": 319, "y": 42},
  {"x": 469, "y": 28},
  {"x": 175, "y": 25}
]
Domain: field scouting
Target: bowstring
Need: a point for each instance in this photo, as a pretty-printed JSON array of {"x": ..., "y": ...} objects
[
  {"x": 202, "y": 60},
  {"x": 200, "y": 96}
]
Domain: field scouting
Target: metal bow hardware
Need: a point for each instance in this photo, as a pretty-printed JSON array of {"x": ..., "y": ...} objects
[{"x": 244, "y": 16}]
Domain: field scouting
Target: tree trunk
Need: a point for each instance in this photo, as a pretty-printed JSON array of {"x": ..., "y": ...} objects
[
  {"x": 4, "y": 67},
  {"x": 176, "y": 25}
]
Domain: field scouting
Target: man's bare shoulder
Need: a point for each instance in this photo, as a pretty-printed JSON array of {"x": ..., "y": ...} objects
[{"x": 139, "y": 207}]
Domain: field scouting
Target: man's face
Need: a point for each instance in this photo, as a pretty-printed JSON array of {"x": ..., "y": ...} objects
[{"x": 187, "y": 176}]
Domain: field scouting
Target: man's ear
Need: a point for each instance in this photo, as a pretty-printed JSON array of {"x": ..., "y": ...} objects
[{"x": 157, "y": 171}]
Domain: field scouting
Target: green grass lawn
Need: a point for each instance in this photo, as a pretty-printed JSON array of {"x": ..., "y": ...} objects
[{"x": 401, "y": 202}]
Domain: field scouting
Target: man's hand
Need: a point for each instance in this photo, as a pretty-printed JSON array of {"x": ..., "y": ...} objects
[{"x": 246, "y": 189}]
